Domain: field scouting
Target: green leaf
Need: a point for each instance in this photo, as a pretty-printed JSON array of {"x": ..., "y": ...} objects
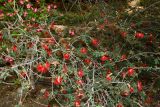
[
  {"x": 4, "y": 47},
  {"x": 143, "y": 95},
  {"x": 4, "y": 75},
  {"x": 98, "y": 54},
  {"x": 157, "y": 61}
]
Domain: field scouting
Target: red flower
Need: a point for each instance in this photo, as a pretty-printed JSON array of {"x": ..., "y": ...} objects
[
  {"x": 35, "y": 10},
  {"x": 41, "y": 68},
  {"x": 21, "y": 2},
  {"x": 46, "y": 94},
  {"x": 123, "y": 57},
  {"x": 52, "y": 25},
  {"x": 94, "y": 42},
  {"x": 80, "y": 95},
  {"x": 87, "y": 61},
  {"x": 80, "y": 82},
  {"x": 149, "y": 100},
  {"x": 28, "y": 6},
  {"x": 139, "y": 85},
  {"x": 139, "y": 35},
  {"x": 101, "y": 27},
  {"x": 49, "y": 52},
  {"x": 48, "y": 8},
  {"x": 10, "y": 1},
  {"x": 49, "y": 105},
  {"x": 9, "y": 60},
  {"x": 123, "y": 34},
  {"x": 66, "y": 56},
  {"x": 67, "y": 47},
  {"x": 124, "y": 93},
  {"x": 58, "y": 80},
  {"x": 109, "y": 71},
  {"x": 45, "y": 47},
  {"x": 64, "y": 91},
  {"x": 143, "y": 65},
  {"x": 130, "y": 71},
  {"x": 47, "y": 65},
  {"x": 80, "y": 73},
  {"x": 23, "y": 74},
  {"x": 123, "y": 74},
  {"x": 131, "y": 89},
  {"x": 77, "y": 103},
  {"x": 25, "y": 14},
  {"x": 39, "y": 30},
  {"x": 51, "y": 41},
  {"x": 83, "y": 50},
  {"x": 71, "y": 32},
  {"x": 150, "y": 38},
  {"x": 30, "y": 44},
  {"x": 55, "y": 6},
  {"x": 1, "y": 37},
  {"x": 119, "y": 105},
  {"x": 108, "y": 77},
  {"x": 14, "y": 48},
  {"x": 1, "y": 12},
  {"x": 104, "y": 58}
]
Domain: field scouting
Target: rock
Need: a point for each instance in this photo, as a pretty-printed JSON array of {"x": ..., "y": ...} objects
[
  {"x": 134, "y": 3},
  {"x": 60, "y": 29}
]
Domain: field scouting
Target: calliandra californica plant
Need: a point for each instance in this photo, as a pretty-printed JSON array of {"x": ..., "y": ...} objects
[{"x": 104, "y": 67}]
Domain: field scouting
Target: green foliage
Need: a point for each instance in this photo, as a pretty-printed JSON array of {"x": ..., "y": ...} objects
[{"x": 112, "y": 63}]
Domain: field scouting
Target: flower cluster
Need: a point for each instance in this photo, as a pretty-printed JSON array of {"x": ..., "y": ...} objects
[{"x": 43, "y": 68}]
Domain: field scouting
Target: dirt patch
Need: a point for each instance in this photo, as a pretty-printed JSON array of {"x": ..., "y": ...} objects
[{"x": 10, "y": 97}]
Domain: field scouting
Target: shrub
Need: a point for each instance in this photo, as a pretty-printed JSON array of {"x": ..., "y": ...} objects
[{"x": 108, "y": 63}]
